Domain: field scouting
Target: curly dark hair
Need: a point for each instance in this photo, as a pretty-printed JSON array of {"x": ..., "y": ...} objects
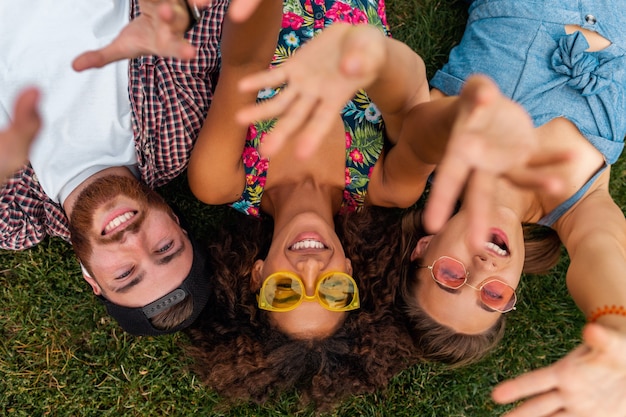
[{"x": 237, "y": 352}]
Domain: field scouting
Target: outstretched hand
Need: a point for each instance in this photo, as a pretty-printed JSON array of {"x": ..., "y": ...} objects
[
  {"x": 158, "y": 30},
  {"x": 16, "y": 139},
  {"x": 588, "y": 382},
  {"x": 492, "y": 138},
  {"x": 319, "y": 79}
]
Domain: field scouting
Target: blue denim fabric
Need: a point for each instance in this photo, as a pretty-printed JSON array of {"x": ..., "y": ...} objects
[
  {"x": 523, "y": 46},
  {"x": 550, "y": 218}
]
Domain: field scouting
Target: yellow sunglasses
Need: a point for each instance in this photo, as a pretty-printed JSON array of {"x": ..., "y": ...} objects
[{"x": 284, "y": 291}]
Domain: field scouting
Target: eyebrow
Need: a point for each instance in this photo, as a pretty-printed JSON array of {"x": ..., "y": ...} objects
[
  {"x": 126, "y": 287},
  {"x": 457, "y": 291},
  {"x": 139, "y": 278}
]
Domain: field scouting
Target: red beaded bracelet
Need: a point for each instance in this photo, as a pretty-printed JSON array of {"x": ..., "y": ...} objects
[{"x": 603, "y": 311}]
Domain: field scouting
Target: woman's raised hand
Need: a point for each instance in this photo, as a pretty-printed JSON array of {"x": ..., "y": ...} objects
[
  {"x": 318, "y": 80},
  {"x": 588, "y": 382},
  {"x": 492, "y": 137}
]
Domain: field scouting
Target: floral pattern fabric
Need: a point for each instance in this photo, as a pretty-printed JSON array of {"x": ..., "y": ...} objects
[{"x": 364, "y": 128}]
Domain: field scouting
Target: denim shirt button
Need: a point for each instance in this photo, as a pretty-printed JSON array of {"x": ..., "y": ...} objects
[{"x": 591, "y": 19}]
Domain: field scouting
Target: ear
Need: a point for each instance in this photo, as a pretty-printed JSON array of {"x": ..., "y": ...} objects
[
  {"x": 92, "y": 282},
  {"x": 348, "y": 266},
  {"x": 257, "y": 277},
  {"x": 420, "y": 247}
]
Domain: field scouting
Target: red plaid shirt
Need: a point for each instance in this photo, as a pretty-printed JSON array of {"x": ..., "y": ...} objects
[{"x": 169, "y": 100}]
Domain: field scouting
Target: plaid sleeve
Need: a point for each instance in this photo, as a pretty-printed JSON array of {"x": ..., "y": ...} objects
[
  {"x": 27, "y": 215},
  {"x": 170, "y": 99}
]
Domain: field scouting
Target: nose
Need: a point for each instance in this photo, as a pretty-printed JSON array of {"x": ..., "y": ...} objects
[
  {"x": 309, "y": 268},
  {"x": 484, "y": 262},
  {"x": 132, "y": 240}
]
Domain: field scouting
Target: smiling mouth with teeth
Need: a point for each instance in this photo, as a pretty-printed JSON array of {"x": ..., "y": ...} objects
[
  {"x": 497, "y": 245},
  {"x": 119, "y": 220},
  {"x": 307, "y": 244}
]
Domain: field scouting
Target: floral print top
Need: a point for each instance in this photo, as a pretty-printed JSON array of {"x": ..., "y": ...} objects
[{"x": 364, "y": 128}]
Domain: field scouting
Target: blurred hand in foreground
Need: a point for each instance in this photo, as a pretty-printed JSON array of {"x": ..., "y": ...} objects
[
  {"x": 158, "y": 30},
  {"x": 589, "y": 382},
  {"x": 16, "y": 138}
]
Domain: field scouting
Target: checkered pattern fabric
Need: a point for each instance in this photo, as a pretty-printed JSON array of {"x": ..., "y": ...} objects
[{"x": 169, "y": 100}]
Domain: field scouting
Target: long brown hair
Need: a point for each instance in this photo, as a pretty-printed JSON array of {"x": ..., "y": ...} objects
[
  {"x": 387, "y": 236},
  {"x": 440, "y": 343}
]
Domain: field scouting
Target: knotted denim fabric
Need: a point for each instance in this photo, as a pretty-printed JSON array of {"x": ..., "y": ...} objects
[{"x": 583, "y": 68}]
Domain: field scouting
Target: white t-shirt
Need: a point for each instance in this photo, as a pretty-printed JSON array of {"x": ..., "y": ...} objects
[{"x": 86, "y": 116}]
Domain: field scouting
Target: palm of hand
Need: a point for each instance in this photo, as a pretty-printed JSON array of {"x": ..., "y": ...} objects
[
  {"x": 589, "y": 382},
  {"x": 320, "y": 78},
  {"x": 492, "y": 134},
  {"x": 592, "y": 383},
  {"x": 159, "y": 30},
  {"x": 492, "y": 138},
  {"x": 333, "y": 74}
]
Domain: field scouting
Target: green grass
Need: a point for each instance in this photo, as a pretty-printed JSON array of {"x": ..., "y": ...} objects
[{"x": 60, "y": 354}]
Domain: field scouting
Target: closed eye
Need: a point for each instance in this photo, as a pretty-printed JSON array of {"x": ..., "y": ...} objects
[
  {"x": 492, "y": 294},
  {"x": 166, "y": 247},
  {"x": 125, "y": 274}
]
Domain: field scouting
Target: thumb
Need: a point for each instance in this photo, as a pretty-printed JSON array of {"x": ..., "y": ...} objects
[
  {"x": 98, "y": 58},
  {"x": 601, "y": 338},
  {"x": 479, "y": 90},
  {"x": 26, "y": 115},
  {"x": 89, "y": 60}
]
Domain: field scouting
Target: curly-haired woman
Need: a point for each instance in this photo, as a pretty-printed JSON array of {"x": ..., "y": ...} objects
[
  {"x": 344, "y": 157},
  {"x": 237, "y": 351},
  {"x": 301, "y": 293}
]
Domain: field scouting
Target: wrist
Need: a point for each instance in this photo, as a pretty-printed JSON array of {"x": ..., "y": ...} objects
[{"x": 611, "y": 316}]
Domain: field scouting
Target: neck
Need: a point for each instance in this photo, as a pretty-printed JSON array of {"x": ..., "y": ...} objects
[
  {"x": 68, "y": 204},
  {"x": 287, "y": 201}
]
